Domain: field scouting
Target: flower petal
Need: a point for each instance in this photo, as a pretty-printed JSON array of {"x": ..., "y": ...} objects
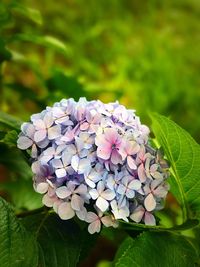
[
  {"x": 91, "y": 217},
  {"x": 149, "y": 219},
  {"x": 81, "y": 214},
  {"x": 80, "y": 165},
  {"x": 137, "y": 214},
  {"x": 94, "y": 194},
  {"x": 94, "y": 227},
  {"x": 81, "y": 189},
  {"x": 115, "y": 157},
  {"x": 42, "y": 188},
  {"x": 54, "y": 132},
  {"x": 108, "y": 194},
  {"x": 39, "y": 125},
  {"x": 111, "y": 135},
  {"x": 90, "y": 183},
  {"x": 135, "y": 184},
  {"x": 57, "y": 163},
  {"x": 130, "y": 193},
  {"x": 121, "y": 189},
  {"x": 141, "y": 173},
  {"x": 131, "y": 163},
  {"x": 48, "y": 201},
  {"x": 24, "y": 142},
  {"x": 103, "y": 152},
  {"x": 60, "y": 173},
  {"x": 77, "y": 202},
  {"x": 65, "y": 211},
  {"x": 150, "y": 202},
  {"x": 48, "y": 119},
  {"x": 107, "y": 221},
  {"x": 40, "y": 135},
  {"x": 102, "y": 204},
  {"x": 63, "y": 192}
]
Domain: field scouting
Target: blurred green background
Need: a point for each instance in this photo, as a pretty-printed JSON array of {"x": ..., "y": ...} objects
[
  {"x": 146, "y": 54},
  {"x": 143, "y": 53}
]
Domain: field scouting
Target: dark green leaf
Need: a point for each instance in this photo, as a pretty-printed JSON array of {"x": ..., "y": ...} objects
[
  {"x": 15, "y": 162},
  {"x": 59, "y": 242},
  {"x": 10, "y": 138},
  {"x": 17, "y": 248},
  {"x": 152, "y": 249},
  {"x": 184, "y": 155},
  {"x": 10, "y": 121}
]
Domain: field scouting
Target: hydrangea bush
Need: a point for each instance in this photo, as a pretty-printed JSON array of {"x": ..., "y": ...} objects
[{"x": 94, "y": 160}]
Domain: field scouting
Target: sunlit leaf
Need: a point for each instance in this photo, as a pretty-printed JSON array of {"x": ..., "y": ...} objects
[
  {"x": 184, "y": 155},
  {"x": 47, "y": 41},
  {"x": 27, "y": 12}
]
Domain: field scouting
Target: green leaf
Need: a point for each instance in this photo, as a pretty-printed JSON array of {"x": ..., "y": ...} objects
[
  {"x": 27, "y": 12},
  {"x": 59, "y": 242},
  {"x": 183, "y": 154},
  {"x": 189, "y": 224},
  {"x": 10, "y": 121},
  {"x": 152, "y": 249},
  {"x": 10, "y": 138},
  {"x": 21, "y": 194},
  {"x": 17, "y": 248},
  {"x": 15, "y": 162},
  {"x": 47, "y": 41}
]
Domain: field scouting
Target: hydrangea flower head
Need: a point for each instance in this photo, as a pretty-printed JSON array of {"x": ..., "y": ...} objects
[{"x": 93, "y": 160}]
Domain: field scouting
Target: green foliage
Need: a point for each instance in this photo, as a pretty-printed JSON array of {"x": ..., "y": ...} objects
[
  {"x": 4, "y": 53},
  {"x": 59, "y": 242},
  {"x": 104, "y": 51},
  {"x": 47, "y": 41},
  {"x": 20, "y": 192},
  {"x": 18, "y": 248},
  {"x": 32, "y": 14},
  {"x": 9, "y": 121},
  {"x": 48, "y": 241},
  {"x": 156, "y": 249},
  {"x": 184, "y": 156},
  {"x": 16, "y": 162},
  {"x": 59, "y": 82}
]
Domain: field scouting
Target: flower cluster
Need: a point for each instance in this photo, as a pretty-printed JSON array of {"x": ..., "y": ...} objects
[{"x": 93, "y": 160}]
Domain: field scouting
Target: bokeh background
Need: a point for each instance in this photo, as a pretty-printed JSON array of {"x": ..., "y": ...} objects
[{"x": 145, "y": 54}]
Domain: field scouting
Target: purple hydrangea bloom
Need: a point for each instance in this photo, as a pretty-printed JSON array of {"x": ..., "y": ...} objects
[{"x": 90, "y": 155}]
